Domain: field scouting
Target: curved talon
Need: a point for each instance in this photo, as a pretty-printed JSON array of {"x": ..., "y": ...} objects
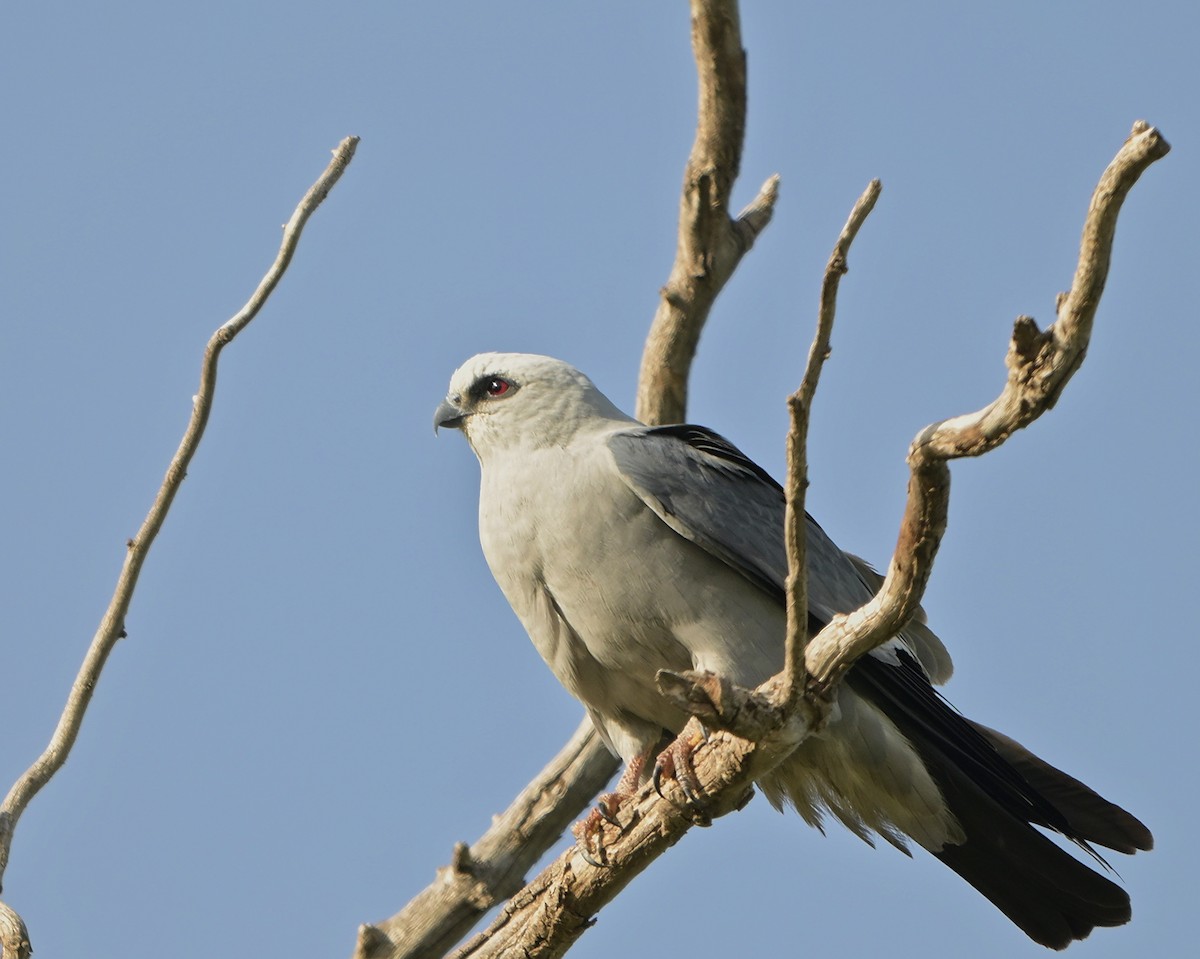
[
  {"x": 590, "y": 829},
  {"x": 656, "y": 778},
  {"x": 675, "y": 762},
  {"x": 608, "y": 815},
  {"x": 583, "y": 854}
]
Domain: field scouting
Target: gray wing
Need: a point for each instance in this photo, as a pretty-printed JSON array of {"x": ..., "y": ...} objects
[{"x": 711, "y": 493}]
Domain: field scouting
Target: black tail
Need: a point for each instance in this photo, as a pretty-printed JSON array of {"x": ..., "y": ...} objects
[
  {"x": 997, "y": 789},
  {"x": 1089, "y": 815}
]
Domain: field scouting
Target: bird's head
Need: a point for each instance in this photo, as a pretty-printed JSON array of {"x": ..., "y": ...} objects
[{"x": 509, "y": 400}]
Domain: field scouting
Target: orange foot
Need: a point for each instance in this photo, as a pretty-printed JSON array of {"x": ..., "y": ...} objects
[
  {"x": 675, "y": 762},
  {"x": 589, "y": 831}
]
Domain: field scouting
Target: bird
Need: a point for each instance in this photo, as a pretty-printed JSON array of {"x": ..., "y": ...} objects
[{"x": 625, "y": 549}]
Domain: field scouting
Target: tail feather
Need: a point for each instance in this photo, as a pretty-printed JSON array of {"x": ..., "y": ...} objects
[
  {"x": 1089, "y": 815},
  {"x": 1052, "y": 896},
  {"x": 997, "y": 789}
]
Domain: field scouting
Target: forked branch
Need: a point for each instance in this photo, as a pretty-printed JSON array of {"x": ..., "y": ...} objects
[
  {"x": 1039, "y": 365},
  {"x": 754, "y": 731},
  {"x": 710, "y": 243}
]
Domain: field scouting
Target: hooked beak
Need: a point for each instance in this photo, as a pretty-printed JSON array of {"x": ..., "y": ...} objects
[{"x": 448, "y": 414}]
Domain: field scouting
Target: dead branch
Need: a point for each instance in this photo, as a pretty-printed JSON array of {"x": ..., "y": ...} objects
[
  {"x": 1039, "y": 366},
  {"x": 796, "y": 486},
  {"x": 112, "y": 625},
  {"x": 710, "y": 243},
  {"x": 547, "y": 917},
  {"x": 492, "y": 869}
]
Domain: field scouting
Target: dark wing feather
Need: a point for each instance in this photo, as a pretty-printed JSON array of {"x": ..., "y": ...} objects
[{"x": 711, "y": 493}]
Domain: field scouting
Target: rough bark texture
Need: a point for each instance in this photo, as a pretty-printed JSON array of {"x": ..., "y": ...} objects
[
  {"x": 14, "y": 939},
  {"x": 550, "y": 914}
]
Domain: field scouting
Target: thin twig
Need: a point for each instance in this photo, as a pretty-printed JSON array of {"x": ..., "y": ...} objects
[
  {"x": 112, "y": 626},
  {"x": 710, "y": 244},
  {"x": 800, "y": 408}
]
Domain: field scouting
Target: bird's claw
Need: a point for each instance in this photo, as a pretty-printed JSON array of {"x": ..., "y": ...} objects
[
  {"x": 675, "y": 762},
  {"x": 603, "y": 810},
  {"x": 590, "y": 829}
]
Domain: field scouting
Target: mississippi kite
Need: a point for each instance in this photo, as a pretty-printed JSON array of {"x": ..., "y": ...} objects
[{"x": 626, "y": 549}]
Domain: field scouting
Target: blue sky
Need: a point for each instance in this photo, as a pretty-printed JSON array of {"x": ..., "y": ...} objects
[{"x": 322, "y": 689}]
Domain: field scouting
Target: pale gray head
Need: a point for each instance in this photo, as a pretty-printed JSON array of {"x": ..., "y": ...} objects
[{"x": 508, "y": 400}]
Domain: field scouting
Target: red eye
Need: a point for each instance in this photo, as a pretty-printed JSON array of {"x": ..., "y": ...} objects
[{"x": 497, "y": 386}]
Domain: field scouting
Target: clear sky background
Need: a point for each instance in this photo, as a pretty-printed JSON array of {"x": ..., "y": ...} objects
[{"x": 322, "y": 689}]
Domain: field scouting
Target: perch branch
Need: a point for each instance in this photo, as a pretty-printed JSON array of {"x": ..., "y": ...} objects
[
  {"x": 710, "y": 243},
  {"x": 112, "y": 626},
  {"x": 754, "y": 732},
  {"x": 550, "y": 914}
]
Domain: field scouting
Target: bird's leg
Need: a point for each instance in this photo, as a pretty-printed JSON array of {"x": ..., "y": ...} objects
[
  {"x": 675, "y": 762},
  {"x": 627, "y": 785}
]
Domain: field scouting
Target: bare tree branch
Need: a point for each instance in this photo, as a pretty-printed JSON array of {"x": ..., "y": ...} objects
[
  {"x": 553, "y": 911},
  {"x": 710, "y": 243},
  {"x": 494, "y": 867},
  {"x": 112, "y": 625},
  {"x": 549, "y": 915},
  {"x": 1039, "y": 366},
  {"x": 796, "y": 486}
]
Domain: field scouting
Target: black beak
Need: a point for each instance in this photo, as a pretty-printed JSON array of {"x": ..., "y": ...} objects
[{"x": 448, "y": 414}]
